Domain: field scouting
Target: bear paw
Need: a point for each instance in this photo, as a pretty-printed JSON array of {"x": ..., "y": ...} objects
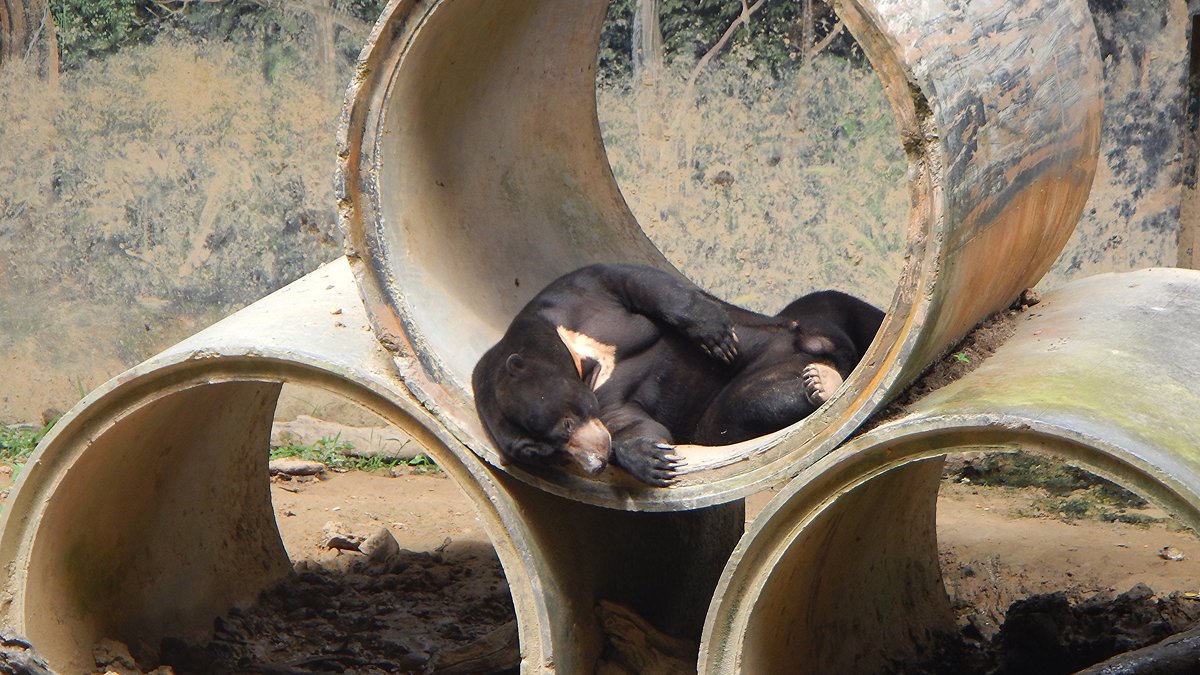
[
  {"x": 820, "y": 381},
  {"x": 650, "y": 461},
  {"x": 716, "y": 337}
]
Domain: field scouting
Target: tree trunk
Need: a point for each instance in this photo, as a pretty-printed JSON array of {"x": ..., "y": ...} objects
[
  {"x": 647, "y": 48},
  {"x": 27, "y": 34}
]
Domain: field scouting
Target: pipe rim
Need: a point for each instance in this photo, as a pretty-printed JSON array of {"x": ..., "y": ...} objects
[
  {"x": 888, "y": 448},
  {"x": 162, "y": 378},
  {"x": 772, "y": 457},
  {"x": 913, "y": 332}
]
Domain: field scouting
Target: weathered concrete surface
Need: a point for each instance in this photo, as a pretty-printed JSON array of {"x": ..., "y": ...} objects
[
  {"x": 1133, "y": 215},
  {"x": 1103, "y": 373},
  {"x": 146, "y": 511},
  {"x": 472, "y": 174}
]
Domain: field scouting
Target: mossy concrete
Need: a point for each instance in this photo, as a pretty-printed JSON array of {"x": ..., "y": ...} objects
[{"x": 1102, "y": 374}]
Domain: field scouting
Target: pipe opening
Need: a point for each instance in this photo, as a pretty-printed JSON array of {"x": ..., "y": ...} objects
[
  {"x": 474, "y": 172},
  {"x": 929, "y": 557},
  {"x": 186, "y": 532},
  {"x": 487, "y": 150},
  {"x": 763, "y": 166},
  {"x": 391, "y": 564},
  {"x": 1051, "y": 567}
]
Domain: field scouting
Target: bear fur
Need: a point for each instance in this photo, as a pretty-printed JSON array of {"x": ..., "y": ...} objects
[{"x": 618, "y": 363}]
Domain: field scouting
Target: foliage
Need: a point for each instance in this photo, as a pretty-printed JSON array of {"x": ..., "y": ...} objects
[
  {"x": 1025, "y": 470},
  {"x": 277, "y": 32},
  {"x": 692, "y": 27},
  {"x": 1070, "y": 493},
  {"x": 17, "y": 443},
  {"x": 88, "y": 28},
  {"x": 279, "y": 28},
  {"x": 336, "y": 454},
  {"x": 364, "y": 10}
]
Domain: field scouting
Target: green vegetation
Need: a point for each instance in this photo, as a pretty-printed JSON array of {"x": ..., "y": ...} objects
[
  {"x": 1070, "y": 493},
  {"x": 1098, "y": 502},
  {"x": 18, "y": 442},
  {"x": 690, "y": 28},
  {"x": 88, "y": 29},
  {"x": 336, "y": 454}
]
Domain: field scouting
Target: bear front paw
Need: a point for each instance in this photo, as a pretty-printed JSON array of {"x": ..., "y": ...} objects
[
  {"x": 650, "y": 461},
  {"x": 711, "y": 329}
]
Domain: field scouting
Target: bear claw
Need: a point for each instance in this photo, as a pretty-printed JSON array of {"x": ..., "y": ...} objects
[
  {"x": 820, "y": 381},
  {"x": 651, "y": 462}
]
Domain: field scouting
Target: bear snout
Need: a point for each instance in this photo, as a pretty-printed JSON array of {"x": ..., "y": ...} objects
[{"x": 590, "y": 446}]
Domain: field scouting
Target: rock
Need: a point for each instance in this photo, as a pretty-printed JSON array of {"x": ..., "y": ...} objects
[
  {"x": 114, "y": 655},
  {"x": 1170, "y": 553},
  {"x": 381, "y": 546},
  {"x": 18, "y": 657},
  {"x": 385, "y": 441},
  {"x": 339, "y": 540},
  {"x": 295, "y": 467},
  {"x": 1175, "y": 655}
]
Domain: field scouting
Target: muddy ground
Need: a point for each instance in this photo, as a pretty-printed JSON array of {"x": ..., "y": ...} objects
[{"x": 412, "y": 585}]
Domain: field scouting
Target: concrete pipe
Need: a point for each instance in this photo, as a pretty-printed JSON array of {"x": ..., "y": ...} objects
[
  {"x": 1102, "y": 374},
  {"x": 146, "y": 512},
  {"x": 472, "y": 173}
]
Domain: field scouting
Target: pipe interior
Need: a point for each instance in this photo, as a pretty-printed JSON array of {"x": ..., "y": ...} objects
[
  {"x": 162, "y": 522},
  {"x": 836, "y": 558},
  {"x": 161, "y": 519},
  {"x": 493, "y": 179}
]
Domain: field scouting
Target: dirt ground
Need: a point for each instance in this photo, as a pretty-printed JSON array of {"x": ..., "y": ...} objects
[{"x": 447, "y": 607}]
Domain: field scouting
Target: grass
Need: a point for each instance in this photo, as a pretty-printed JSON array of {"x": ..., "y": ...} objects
[
  {"x": 17, "y": 443},
  {"x": 337, "y": 454}
]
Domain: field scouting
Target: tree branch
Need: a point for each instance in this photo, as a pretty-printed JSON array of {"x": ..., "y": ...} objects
[
  {"x": 690, "y": 89},
  {"x": 833, "y": 33}
]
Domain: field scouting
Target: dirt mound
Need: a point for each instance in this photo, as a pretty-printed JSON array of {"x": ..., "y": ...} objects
[
  {"x": 1050, "y": 634},
  {"x": 384, "y": 611}
]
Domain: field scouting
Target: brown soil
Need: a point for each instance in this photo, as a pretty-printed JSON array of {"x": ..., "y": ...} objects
[
  {"x": 971, "y": 351},
  {"x": 441, "y": 598}
]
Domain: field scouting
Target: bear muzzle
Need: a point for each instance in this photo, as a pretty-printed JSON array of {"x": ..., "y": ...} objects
[{"x": 590, "y": 446}]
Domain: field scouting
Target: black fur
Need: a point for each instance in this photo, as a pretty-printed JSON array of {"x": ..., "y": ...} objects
[{"x": 689, "y": 368}]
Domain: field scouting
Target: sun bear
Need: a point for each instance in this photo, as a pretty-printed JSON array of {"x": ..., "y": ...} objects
[{"x": 617, "y": 362}]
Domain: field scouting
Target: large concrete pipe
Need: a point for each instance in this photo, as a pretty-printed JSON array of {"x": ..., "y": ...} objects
[
  {"x": 472, "y": 173},
  {"x": 1102, "y": 374},
  {"x": 146, "y": 512}
]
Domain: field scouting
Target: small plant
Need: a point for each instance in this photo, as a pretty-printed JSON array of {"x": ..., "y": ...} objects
[
  {"x": 335, "y": 454},
  {"x": 331, "y": 452},
  {"x": 423, "y": 464},
  {"x": 961, "y": 357},
  {"x": 17, "y": 443}
]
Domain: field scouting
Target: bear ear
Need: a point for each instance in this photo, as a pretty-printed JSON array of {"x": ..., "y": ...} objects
[{"x": 515, "y": 364}]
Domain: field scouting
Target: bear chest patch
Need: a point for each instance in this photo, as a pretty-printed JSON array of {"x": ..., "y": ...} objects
[{"x": 594, "y": 360}]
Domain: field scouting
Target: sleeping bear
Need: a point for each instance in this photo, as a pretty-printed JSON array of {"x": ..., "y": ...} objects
[{"x": 618, "y": 362}]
